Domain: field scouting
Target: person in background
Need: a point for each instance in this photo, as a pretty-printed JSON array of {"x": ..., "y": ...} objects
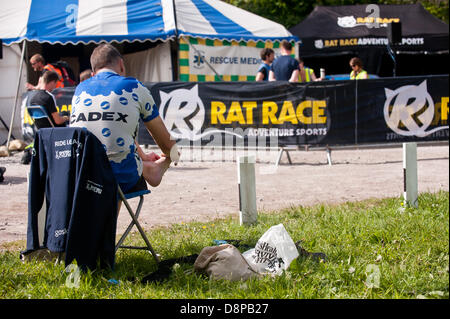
[
  {"x": 284, "y": 67},
  {"x": 42, "y": 96},
  {"x": 86, "y": 74},
  {"x": 37, "y": 62},
  {"x": 358, "y": 73},
  {"x": 267, "y": 57},
  {"x": 306, "y": 74}
]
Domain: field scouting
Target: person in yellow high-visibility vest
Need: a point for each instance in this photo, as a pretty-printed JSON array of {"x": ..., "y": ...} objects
[
  {"x": 306, "y": 74},
  {"x": 358, "y": 73}
]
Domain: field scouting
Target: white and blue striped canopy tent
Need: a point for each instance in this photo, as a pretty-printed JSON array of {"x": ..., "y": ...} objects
[
  {"x": 75, "y": 21},
  {"x": 94, "y": 21}
]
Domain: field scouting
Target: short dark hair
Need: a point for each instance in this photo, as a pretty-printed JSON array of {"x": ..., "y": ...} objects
[
  {"x": 50, "y": 76},
  {"x": 265, "y": 53},
  {"x": 286, "y": 45},
  {"x": 103, "y": 56}
]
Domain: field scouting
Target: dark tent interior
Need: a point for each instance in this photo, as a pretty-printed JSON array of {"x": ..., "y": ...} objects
[{"x": 332, "y": 35}]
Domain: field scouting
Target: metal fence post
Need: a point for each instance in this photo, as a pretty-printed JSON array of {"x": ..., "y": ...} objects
[
  {"x": 247, "y": 190},
  {"x": 410, "y": 188}
]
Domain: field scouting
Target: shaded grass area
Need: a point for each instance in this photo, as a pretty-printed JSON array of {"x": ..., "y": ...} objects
[{"x": 375, "y": 249}]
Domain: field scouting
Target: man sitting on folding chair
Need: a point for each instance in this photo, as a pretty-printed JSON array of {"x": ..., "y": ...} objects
[
  {"x": 42, "y": 96},
  {"x": 110, "y": 105}
]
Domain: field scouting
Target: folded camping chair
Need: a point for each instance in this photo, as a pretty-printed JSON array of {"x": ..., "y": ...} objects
[
  {"x": 134, "y": 221},
  {"x": 39, "y": 116}
]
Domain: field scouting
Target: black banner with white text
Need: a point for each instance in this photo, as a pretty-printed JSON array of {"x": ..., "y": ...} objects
[{"x": 384, "y": 110}]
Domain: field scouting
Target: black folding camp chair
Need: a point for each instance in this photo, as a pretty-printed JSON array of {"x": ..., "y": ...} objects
[
  {"x": 39, "y": 116},
  {"x": 36, "y": 111},
  {"x": 134, "y": 221}
]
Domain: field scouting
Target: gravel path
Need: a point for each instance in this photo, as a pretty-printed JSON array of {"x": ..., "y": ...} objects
[{"x": 202, "y": 191}]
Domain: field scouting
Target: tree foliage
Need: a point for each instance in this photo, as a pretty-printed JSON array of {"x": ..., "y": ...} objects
[{"x": 291, "y": 12}]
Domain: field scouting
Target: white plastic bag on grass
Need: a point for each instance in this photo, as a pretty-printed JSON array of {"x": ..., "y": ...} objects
[{"x": 273, "y": 253}]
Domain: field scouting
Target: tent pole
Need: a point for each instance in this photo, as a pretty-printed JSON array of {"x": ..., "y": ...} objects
[
  {"x": 17, "y": 94},
  {"x": 175, "y": 66},
  {"x": 392, "y": 54}
]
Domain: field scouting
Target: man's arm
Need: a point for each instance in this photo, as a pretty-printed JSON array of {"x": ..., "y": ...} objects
[
  {"x": 58, "y": 119},
  {"x": 294, "y": 76},
  {"x": 272, "y": 76},
  {"x": 30, "y": 86},
  {"x": 259, "y": 76},
  {"x": 160, "y": 134},
  {"x": 50, "y": 107},
  {"x": 39, "y": 85},
  {"x": 314, "y": 78}
]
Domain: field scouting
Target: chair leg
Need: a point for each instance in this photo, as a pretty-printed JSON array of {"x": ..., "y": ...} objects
[
  {"x": 130, "y": 226},
  {"x": 138, "y": 225}
]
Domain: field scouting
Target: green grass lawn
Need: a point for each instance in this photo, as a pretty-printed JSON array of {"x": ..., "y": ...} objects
[{"x": 375, "y": 249}]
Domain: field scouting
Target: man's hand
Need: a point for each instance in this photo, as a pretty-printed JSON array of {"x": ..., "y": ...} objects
[
  {"x": 174, "y": 154},
  {"x": 30, "y": 86},
  {"x": 150, "y": 157}
]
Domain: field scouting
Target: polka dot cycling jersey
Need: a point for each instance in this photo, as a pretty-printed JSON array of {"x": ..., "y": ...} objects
[{"x": 110, "y": 106}]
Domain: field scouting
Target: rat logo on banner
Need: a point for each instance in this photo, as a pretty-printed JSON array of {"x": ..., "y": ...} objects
[{"x": 409, "y": 110}]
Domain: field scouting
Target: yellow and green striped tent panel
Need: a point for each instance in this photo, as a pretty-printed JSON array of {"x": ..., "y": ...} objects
[{"x": 184, "y": 58}]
